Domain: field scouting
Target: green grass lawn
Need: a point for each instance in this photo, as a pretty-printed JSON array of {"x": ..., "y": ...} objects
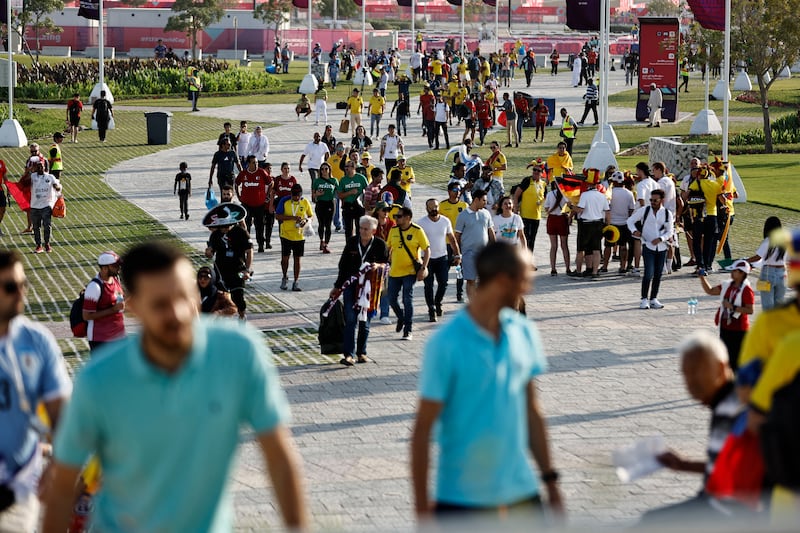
[{"x": 98, "y": 218}]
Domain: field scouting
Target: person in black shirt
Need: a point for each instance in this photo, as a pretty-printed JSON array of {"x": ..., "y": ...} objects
[
  {"x": 229, "y": 135},
  {"x": 225, "y": 160},
  {"x": 362, "y": 248},
  {"x": 232, "y": 250}
]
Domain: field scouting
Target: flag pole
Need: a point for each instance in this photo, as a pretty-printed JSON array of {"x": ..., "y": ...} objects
[
  {"x": 461, "y": 46},
  {"x": 11, "y": 133},
  {"x": 100, "y": 38},
  {"x": 414, "y": 25},
  {"x": 727, "y": 67}
]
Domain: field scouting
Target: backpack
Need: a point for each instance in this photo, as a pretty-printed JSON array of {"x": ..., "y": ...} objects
[
  {"x": 79, "y": 326},
  {"x": 780, "y": 436},
  {"x": 463, "y": 111},
  {"x": 330, "y": 329},
  {"x": 101, "y": 106}
]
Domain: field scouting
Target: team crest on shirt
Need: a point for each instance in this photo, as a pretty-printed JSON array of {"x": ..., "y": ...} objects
[
  {"x": 409, "y": 237},
  {"x": 28, "y": 363}
]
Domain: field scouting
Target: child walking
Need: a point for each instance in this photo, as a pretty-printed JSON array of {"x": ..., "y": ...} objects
[{"x": 183, "y": 188}]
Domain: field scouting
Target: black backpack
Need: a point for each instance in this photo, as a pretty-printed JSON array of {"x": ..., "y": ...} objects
[
  {"x": 780, "y": 437},
  {"x": 331, "y": 328},
  {"x": 77, "y": 324}
]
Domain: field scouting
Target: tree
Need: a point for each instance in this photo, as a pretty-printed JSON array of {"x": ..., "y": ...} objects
[
  {"x": 345, "y": 8},
  {"x": 35, "y": 14},
  {"x": 663, "y": 8},
  {"x": 273, "y": 13},
  {"x": 194, "y": 16},
  {"x": 764, "y": 35}
]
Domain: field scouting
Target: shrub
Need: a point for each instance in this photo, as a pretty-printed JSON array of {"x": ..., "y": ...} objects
[{"x": 785, "y": 130}]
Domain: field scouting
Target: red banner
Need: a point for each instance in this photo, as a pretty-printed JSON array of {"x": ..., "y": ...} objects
[
  {"x": 710, "y": 14},
  {"x": 658, "y": 63},
  {"x": 301, "y": 4}
]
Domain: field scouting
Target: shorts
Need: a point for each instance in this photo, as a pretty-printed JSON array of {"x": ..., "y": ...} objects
[
  {"x": 590, "y": 236},
  {"x": 469, "y": 123},
  {"x": 624, "y": 235},
  {"x": 74, "y": 121},
  {"x": 469, "y": 268},
  {"x": 292, "y": 247},
  {"x": 558, "y": 225}
]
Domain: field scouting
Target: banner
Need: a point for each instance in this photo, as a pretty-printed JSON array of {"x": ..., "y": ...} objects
[
  {"x": 89, "y": 9},
  {"x": 302, "y": 4},
  {"x": 454, "y": 2},
  {"x": 584, "y": 14},
  {"x": 710, "y": 14},
  {"x": 658, "y": 63}
]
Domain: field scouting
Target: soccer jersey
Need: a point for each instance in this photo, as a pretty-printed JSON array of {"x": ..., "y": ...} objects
[
  {"x": 356, "y": 182},
  {"x": 376, "y": 105},
  {"x": 290, "y": 230},
  {"x": 415, "y": 240},
  {"x": 531, "y": 200},
  {"x": 451, "y": 211},
  {"x": 355, "y": 103}
]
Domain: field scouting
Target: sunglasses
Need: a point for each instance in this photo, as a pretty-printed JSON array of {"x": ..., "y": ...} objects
[
  {"x": 207, "y": 276},
  {"x": 12, "y": 287}
]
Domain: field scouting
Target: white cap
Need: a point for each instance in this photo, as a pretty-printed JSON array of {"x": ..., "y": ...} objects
[
  {"x": 741, "y": 264},
  {"x": 108, "y": 258}
]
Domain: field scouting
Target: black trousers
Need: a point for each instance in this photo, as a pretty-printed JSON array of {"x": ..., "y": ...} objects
[
  {"x": 324, "y": 211},
  {"x": 351, "y": 211},
  {"x": 256, "y": 216},
  {"x": 590, "y": 105}
]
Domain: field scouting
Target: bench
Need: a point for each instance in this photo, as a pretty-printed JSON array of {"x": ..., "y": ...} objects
[
  {"x": 57, "y": 51},
  {"x": 109, "y": 52},
  {"x": 241, "y": 55}
]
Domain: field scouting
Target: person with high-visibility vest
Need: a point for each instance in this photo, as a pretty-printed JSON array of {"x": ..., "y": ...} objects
[
  {"x": 194, "y": 87},
  {"x": 568, "y": 130},
  {"x": 684, "y": 77},
  {"x": 54, "y": 155}
]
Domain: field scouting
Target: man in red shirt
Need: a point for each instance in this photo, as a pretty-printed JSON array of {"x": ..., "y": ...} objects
[
  {"x": 281, "y": 188},
  {"x": 253, "y": 187},
  {"x": 482, "y": 111},
  {"x": 104, "y": 303},
  {"x": 523, "y": 112},
  {"x": 426, "y": 101}
]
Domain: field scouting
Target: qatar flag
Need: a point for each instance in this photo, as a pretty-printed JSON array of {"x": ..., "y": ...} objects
[{"x": 710, "y": 14}]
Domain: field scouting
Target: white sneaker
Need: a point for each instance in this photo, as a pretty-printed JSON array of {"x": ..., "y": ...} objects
[
  {"x": 634, "y": 272},
  {"x": 655, "y": 304},
  {"x": 386, "y": 321},
  {"x": 644, "y": 304}
]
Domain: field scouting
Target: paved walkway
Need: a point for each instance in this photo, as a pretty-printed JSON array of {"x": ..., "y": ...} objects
[{"x": 613, "y": 370}]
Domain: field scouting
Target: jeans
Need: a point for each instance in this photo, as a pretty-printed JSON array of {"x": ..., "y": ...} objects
[
  {"x": 41, "y": 217},
  {"x": 401, "y": 124},
  {"x": 337, "y": 215},
  {"x": 183, "y": 200},
  {"x": 313, "y": 173},
  {"x": 530, "y": 228},
  {"x": 375, "y": 121},
  {"x": 459, "y": 282},
  {"x": 653, "y": 267},
  {"x": 704, "y": 232},
  {"x": 520, "y": 123},
  {"x": 776, "y": 293},
  {"x": 405, "y": 315},
  {"x": 352, "y": 211},
  {"x": 438, "y": 268},
  {"x": 351, "y": 344}
]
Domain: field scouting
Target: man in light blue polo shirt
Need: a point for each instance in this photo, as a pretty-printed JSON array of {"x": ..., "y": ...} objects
[
  {"x": 474, "y": 230},
  {"x": 162, "y": 411},
  {"x": 477, "y": 382}
]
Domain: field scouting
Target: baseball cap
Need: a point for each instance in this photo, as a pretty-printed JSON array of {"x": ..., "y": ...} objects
[
  {"x": 382, "y": 205},
  {"x": 108, "y": 258},
  {"x": 401, "y": 157},
  {"x": 741, "y": 264},
  {"x": 366, "y": 155},
  {"x": 618, "y": 177}
]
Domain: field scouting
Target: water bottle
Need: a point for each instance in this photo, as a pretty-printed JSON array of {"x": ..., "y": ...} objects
[
  {"x": 692, "y": 305},
  {"x": 459, "y": 275}
]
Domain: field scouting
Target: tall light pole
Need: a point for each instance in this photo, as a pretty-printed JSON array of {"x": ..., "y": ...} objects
[
  {"x": 605, "y": 143},
  {"x": 236, "y": 37},
  {"x": 309, "y": 84},
  {"x": 11, "y": 133},
  {"x": 101, "y": 84}
]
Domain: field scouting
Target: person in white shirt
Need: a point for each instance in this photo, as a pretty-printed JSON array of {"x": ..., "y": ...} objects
[
  {"x": 665, "y": 183},
  {"x": 45, "y": 189},
  {"x": 593, "y": 213},
  {"x": 439, "y": 230},
  {"x": 654, "y": 104},
  {"x": 317, "y": 153},
  {"x": 259, "y": 147},
  {"x": 441, "y": 112},
  {"x": 391, "y": 148},
  {"x": 772, "y": 280},
  {"x": 654, "y": 225},
  {"x": 508, "y": 226},
  {"x": 243, "y": 143},
  {"x": 622, "y": 206},
  {"x": 644, "y": 185},
  {"x": 557, "y": 226}
]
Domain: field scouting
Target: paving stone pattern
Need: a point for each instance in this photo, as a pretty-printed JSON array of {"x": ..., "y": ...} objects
[{"x": 613, "y": 374}]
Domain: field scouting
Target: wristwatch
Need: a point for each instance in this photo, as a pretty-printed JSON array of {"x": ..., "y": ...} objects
[{"x": 550, "y": 475}]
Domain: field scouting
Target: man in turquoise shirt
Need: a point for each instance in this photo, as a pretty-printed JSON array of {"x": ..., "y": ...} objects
[
  {"x": 162, "y": 411},
  {"x": 477, "y": 382}
]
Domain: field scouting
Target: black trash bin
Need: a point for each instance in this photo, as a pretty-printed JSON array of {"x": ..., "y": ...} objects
[{"x": 159, "y": 127}]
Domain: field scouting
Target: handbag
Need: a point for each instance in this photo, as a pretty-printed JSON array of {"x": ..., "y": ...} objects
[
  {"x": 414, "y": 260},
  {"x": 344, "y": 126},
  {"x": 59, "y": 208},
  {"x": 211, "y": 198}
]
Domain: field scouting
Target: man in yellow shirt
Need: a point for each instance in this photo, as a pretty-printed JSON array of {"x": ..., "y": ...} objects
[
  {"x": 529, "y": 199},
  {"x": 451, "y": 208},
  {"x": 294, "y": 213},
  {"x": 559, "y": 162},
  {"x": 354, "y": 105},
  {"x": 436, "y": 69},
  {"x": 405, "y": 174},
  {"x": 703, "y": 194},
  {"x": 377, "y": 105},
  {"x": 409, "y": 253},
  {"x": 497, "y": 161}
]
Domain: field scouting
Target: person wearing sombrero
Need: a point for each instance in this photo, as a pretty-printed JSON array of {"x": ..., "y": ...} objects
[{"x": 230, "y": 246}]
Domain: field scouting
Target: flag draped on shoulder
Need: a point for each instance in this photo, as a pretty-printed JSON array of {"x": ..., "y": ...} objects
[
  {"x": 89, "y": 9},
  {"x": 583, "y": 15},
  {"x": 710, "y": 14}
]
